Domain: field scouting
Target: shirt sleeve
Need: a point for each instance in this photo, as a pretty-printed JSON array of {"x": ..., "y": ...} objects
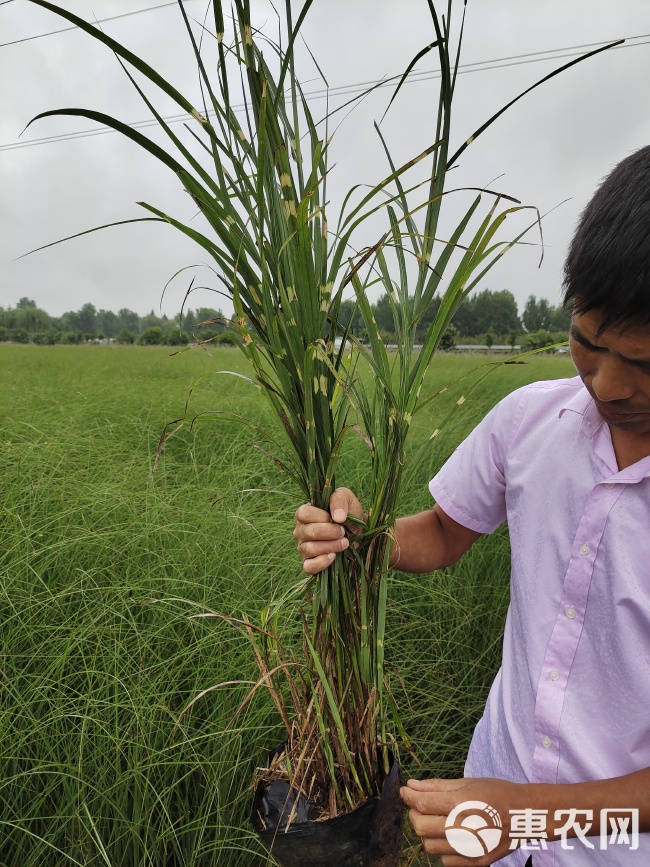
[{"x": 471, "y": 486}]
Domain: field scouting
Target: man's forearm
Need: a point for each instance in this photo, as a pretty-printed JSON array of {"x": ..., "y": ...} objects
[
  {"x": 429, "y": 540},
  {"x": 629, "y": 792},
  {"x": 420, "y": 543}
]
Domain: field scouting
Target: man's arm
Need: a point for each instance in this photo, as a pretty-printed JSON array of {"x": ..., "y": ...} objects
[
  {"x": 423, "y": 542},
  {"x": 431, "y": 801},
  {"x": 429, "y": 540}
]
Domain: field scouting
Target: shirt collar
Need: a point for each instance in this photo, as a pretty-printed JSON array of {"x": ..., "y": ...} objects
[{"x": 583, "y": 404}]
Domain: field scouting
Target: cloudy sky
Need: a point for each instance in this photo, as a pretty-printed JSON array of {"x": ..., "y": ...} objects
[{"x": 553, "y": 146}]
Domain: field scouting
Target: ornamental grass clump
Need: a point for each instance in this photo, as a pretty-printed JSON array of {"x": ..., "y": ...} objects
[{"x": 261, "y": 189}]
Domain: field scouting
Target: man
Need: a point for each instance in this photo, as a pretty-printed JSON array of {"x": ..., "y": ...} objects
[{"x": 566, "y": 730}]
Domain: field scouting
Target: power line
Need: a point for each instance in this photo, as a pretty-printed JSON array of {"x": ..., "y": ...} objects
[
  {"x": 99, "y": 21},
  {"x": 350, "y": 89}
]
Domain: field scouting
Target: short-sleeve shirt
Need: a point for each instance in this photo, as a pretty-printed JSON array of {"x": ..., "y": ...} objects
[{"x": 571, "y": 702}]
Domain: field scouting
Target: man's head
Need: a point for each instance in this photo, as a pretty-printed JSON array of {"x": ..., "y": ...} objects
[
  {"x": 608, "y": 264},
  {"x": 614, "y": 365},
  {"x": 607, "y": 287}
]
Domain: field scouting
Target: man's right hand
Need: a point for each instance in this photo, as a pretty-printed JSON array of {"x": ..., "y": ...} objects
[{"x": 321, "y": 535}]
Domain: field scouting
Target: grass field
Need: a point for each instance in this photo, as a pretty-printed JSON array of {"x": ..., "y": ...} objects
[{"x": 102, "y": 561}]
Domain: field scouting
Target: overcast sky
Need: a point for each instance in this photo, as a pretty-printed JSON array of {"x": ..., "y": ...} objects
[{"x": 555, "y": 145}]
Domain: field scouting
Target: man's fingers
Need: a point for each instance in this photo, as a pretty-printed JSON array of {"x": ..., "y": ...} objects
[
  {"x": 308, "y": 514},
  {"x": 426, "y": 803},
  {"x": 317, "y": 564},
  {"x": 319, "y": 533},
  {"x": 435, "y": 785},
  {"x": 429, "y": 826},
  {"x": 340, "y": 500},
  {"x": 308, "y": 550},
  {"x": 343, "y": 503},
  {"x": 432, "y": 831},
  {"x": 421, "y": 798},
  {"x": 429, "y": 803}
]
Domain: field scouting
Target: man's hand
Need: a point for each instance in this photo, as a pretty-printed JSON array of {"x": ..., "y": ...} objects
[
  {"x": 431, "y": 801},
  {"x": 421, "y": 543},
  {"x": 322, "y": 535}
]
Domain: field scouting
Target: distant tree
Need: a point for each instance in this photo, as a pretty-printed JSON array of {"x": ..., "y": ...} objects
[
  {"x": 32, "y": 319},
  {"x": 449, "y": 338},
  {"x": 489, "y": 339},
  {"x": 464, "y": 319},
  {"x": 4, "y": 334},
  {"x": 560, "y": 336},
  {"x": 210, "y": 316},
  {"x": 45, "y": 338},
  {"x": 488, "y": 310},
  {"x": 19, "y": 335},
  {"x": 428, "y": 317},
  {"x": 530, "y": 317},
  {"x": 384, "y": 315},
  {"x": 538, "y": 339},
  {"x": 108, "y": 323},
  {"x": 87, "y": 319},
  {"x": 72, "y": 337},
  {"x": 125, "y": 336},
  {"x": 187, "y": 319},
  {"x": 25, "y": 302},
  {"x": 207, "y": 323},
  {"x": 350, "y": 311},
  {"x": 128, "y": 320},
  {"x": 177, "y": 337},
  {"x": 84, "y": 319},
  {"x": 560, "y": 319},
  {"x": 495, "y": 311},
  {"x": 203, "y": 335},
  {"x": 152, "y": 321},
  {"x": 538, "y": 314},
  {"x": 152, "y": 336}
]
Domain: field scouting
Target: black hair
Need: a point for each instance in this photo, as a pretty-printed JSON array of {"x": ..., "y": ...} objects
[{"x": 608, "y": 265}]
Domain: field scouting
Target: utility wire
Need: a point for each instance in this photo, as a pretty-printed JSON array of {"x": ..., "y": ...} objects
[
  {"x": 99, "y": 21},
  {"x": 349, "y": 89}
]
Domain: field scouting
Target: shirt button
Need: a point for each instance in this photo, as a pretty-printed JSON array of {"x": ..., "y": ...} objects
[
  {"x": 570, "y": 612},
  {"x": 609, "y": 485},
  {"x": 554, "y": 674},
  {"x": 546, "y": 742},
  {"x": 584, "y": 550}
]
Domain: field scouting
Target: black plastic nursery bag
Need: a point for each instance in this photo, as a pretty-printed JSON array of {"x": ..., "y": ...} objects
[{"x": 370, "y": 836}]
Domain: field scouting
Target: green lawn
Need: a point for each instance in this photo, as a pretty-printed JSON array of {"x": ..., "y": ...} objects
[{"x": 102, "y": 561}]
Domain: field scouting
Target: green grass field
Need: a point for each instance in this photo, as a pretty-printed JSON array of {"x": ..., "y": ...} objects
[{"x": 102, "y": 561}]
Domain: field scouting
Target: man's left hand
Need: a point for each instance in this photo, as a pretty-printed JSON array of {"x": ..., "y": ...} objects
[{"x": 431, "y": 801}]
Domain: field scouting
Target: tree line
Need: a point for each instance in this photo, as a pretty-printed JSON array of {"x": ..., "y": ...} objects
[
  {"x": 488, "y": 317},
  {"x": 27, "y": 323}
]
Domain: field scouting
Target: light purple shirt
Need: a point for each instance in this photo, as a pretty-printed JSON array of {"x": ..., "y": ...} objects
[{"x": 571, "y": 701}]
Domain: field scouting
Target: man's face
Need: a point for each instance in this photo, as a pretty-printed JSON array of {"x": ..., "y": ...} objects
[{"x": 615, "y": 369}]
